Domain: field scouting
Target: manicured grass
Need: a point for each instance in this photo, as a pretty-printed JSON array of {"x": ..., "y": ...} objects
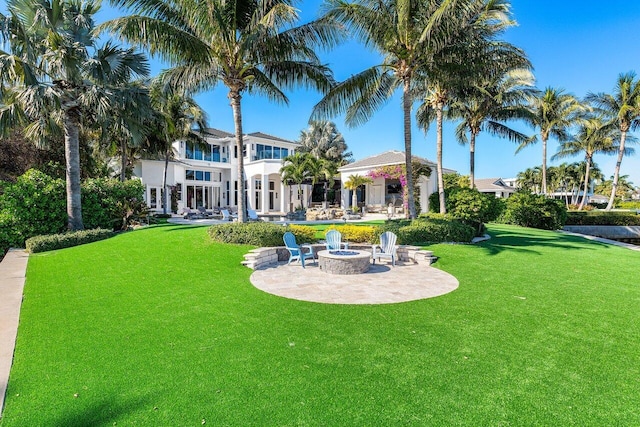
[{"x": 160, "y": 327}]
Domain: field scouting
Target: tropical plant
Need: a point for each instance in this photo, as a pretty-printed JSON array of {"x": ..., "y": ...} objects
[
  {"x": 486, "y": 105},
  {"x": 177, "y": 117},
  {"x": 623, "y": 189},
  {"x": 55, "y": 76},
  {"x": 321, "y": 170},
  {"x": 623, "y": 106},
  {"x": 247, "y": 46},
  {"x": 530, "y": 179},
  {"x": 323, "y": 141},
  {"x": 411, "y": 37},
  {"x": 553, "y": 112},
  {"x": 295, "y": 170},
  {"x": 594, "y": 136},
  {"x": 353, "y": 183}
]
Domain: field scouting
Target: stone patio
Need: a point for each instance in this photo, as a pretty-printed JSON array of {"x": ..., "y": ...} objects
[{"x": 382, "y": 284}]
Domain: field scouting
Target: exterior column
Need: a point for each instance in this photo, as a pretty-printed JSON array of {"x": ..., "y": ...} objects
[
  {"x": 283, "y": 197},
  {"x": 250, "y": 192},
  {"x": 265, "y": 194}
]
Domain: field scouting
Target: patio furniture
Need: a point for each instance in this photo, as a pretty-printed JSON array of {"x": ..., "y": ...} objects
[
  {"x": 226, "y": 216},
  {"x": 334, "y": 241},
  {"x": 297, "y": 252},
  {"x": 387, "y": 247},
  {"x": 253, "y": 215}
]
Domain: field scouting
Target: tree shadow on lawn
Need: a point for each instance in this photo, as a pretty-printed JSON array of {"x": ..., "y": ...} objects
[
  {"x": 533, "y": 241},
  {"x": 101, "y": 412}
]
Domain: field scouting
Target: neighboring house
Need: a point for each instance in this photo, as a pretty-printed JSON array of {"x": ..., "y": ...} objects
[
  {"x": 378, "y": 195},
  {"x": 208, "y": 176},
  {"x": 495, "y": 186},
  {"x": 511, "y": 182}
]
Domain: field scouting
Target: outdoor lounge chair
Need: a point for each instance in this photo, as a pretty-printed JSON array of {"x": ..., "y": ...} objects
[
  {"x": 226, "y": 216},
  {"x": 334, "y": 241},
  {"x": 386, "y": 249},
  {"x": 296, "y": 252},
  {"x": 253, "y": 215}
]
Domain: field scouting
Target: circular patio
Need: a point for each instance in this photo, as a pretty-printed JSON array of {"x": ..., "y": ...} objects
[{"x": 382, "y": 284}]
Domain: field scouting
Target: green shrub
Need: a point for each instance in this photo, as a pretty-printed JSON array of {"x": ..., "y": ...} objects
[
  {"x": 537, "y": 211},
  {"x": 470, "y": 206},
  {"x": 602, "y": 218},
  {"x": 258, "y": 233},
  {"x": 628, "y": 205},
  {"x": 34, "y": 205},
  {"x": 66, "y": 240},
  {"x": 357, "y": 233},
  {"x": 436, "y": 230},
  {"x": 109, "y": 203}
]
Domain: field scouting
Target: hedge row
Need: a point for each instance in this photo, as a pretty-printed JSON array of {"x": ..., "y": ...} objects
[
  {"x": 603, "y": 218},
  {"x": 258, "y": 233},
  {"x": 66, "y": 240}
]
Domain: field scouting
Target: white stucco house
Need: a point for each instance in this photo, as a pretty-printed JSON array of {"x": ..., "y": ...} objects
[
  {"x": 496, "y": 186},
  {"x": 208, "y": 176},
  {"x": 381, "y": 192}
]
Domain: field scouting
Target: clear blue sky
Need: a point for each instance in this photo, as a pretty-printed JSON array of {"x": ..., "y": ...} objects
[{"x": 579, "y": 45}]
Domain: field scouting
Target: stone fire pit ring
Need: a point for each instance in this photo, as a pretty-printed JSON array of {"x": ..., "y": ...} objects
[{"x": 344, "y": 261}]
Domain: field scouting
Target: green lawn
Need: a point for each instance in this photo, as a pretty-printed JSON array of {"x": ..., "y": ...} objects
[{"x": 161, "y": 327}]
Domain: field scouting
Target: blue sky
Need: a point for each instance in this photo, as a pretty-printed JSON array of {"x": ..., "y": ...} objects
[{"x": 580, "y": 46}]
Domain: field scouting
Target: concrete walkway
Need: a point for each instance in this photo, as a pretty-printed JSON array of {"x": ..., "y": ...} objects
[
  {"x": 12, "y": 275},
  {"x": 382, "y": 284}
]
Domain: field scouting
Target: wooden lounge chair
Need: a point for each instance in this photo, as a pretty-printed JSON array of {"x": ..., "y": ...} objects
[
  {"x": 334, "y": 241},
  {"x": 386, "y": 249},
  {"x": 297, "y": 252}
]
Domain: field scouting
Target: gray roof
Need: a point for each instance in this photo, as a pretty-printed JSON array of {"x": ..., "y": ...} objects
[
  {"x": 217, "y": 133},
  {"x": 493, "y": 184},
  {"x": 392, "y": 157},
  {"x": 267, "y": 136}
]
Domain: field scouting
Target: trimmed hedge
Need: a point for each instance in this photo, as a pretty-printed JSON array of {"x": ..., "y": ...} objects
[
  {"x": 628, "y": 205},
  {"x": 603, "y": 218},
  {"x": 434, "y": 228},
  {"x": 262, "y": 234},
  {"x": 357, "y": 233},
  {"x": 536, "y": 211},
  {"x": 66, "y": 240}
]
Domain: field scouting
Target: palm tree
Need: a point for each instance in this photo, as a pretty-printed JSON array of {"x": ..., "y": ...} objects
[
  {"x": 295, "y": 170},
  {"x": 178, "y": 117},
  {"x": 486, "y": 104},
  {"x": 553, "y": 112},
  {"x": 410, "y": 36},
  {"x": 624, "y": 108},
  {"x": 323, "y": 141},
  {"x": 623, "y": 189},
  {"x": 247, "y": 46},
  {"x": 594, "y": 136},
  {"x": 353, "y": 183},
  {"x": 530, "y": 179},
  {"x": 321, "y": 170},
  {"x": 55, "y": 78}
]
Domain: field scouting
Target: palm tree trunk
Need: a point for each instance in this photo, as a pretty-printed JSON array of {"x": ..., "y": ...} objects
[
  {"x": 406, "y": 110},
  {"x": 586, "y": 184},
  {"x": 164, "y": 183},
  {"x": 235, "y": 98},
  {"x": 439, "y": 110},
  {"x": 72, "y": 157},
  {"x": 472, "y": 160},
  {"x": 616, "y": 173},
  {"x": 123, "y": 165},
  {"x": 544, "y": 166}
]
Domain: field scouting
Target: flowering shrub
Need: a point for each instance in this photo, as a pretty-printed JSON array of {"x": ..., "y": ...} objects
[
  {"x": 399, "y": 172},
  {"x": 357, "y": 233}
]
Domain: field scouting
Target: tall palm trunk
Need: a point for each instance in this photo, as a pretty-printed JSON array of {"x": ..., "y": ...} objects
[
  {"x": 472, "y": 160},
  {"x": 123, "y": 162},
  {"x": 544, "y": 165},
  {"x": 406, "y": 110},
  {"x": 616, "y": 172},
  {"x": 235, "y": 98},
  {"x": 72, "y": 158},
  {"x": 586, "y": 184},
  {"x": 439, "y": 111},
  {"x": 164, "y": 182}
]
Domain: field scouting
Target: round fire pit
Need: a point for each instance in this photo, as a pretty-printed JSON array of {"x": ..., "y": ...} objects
[{"x": 344, "y": 261}]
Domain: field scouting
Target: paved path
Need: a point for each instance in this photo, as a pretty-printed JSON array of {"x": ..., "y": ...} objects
[
  {"x": 12, "y": 275},
  {"x": 382, "y": 284}
]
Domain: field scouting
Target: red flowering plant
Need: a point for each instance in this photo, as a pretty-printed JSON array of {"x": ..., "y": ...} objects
[{"x": 399, "y": 172}]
